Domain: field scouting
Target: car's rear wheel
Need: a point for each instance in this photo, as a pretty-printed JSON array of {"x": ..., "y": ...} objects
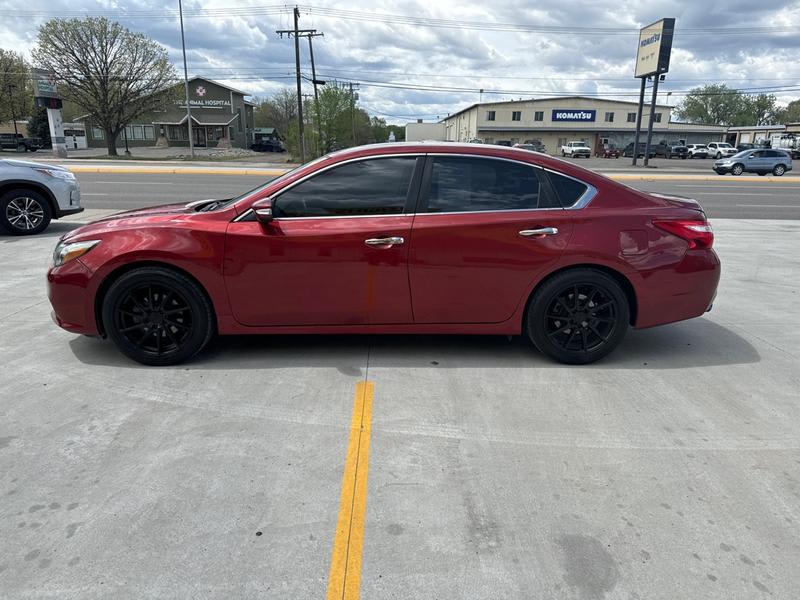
[
  {"x": 779, "y": 170},
  {"x": 24, "y": 212},
  {"x": 578, "y": 316},
  {"x": 737, "y": 169},
  {"x": 157, "y": 316}
]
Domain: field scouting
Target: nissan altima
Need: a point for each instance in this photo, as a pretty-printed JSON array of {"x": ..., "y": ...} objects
[{"x": 394, "y": 239}]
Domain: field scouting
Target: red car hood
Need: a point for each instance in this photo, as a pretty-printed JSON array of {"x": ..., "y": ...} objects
[{"x": 129, "y": 218}]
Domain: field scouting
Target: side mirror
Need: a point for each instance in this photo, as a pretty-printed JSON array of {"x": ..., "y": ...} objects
[{"x": 263, "y": 210}]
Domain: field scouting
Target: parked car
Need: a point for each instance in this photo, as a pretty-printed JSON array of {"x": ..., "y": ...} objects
[
  {"x": 576, "y": 149},
  {"x": 720, "y": 149},
  {"x": 31, "y": 194},
  {"x": 607, "y": 151},
  {"x": 533, "y": 147},
  {"x": 19, "y": 143},
  {"x": 160, "y": 282},
  {"x": 628, "y": 151},
  {"x": 267, "y": 146},
  {"x": 697, "y": 150},
  {"x": 762, "y": 162},
  {"x": 670, "y": 149}
]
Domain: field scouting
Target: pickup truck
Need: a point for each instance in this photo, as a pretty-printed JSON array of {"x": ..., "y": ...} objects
[
  {"x": 19, "y": 143},
  {"x": 670, "y": 149},
  {"x": 576, "y": 150}
]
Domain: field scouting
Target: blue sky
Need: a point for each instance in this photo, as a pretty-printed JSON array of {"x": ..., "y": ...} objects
[{"x": 409, "y": 68}]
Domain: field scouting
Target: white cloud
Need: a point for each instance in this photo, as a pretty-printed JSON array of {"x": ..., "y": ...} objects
[{"x": 244, "y": 51}]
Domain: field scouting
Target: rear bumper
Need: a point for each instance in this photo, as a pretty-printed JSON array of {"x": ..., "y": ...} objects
[{"x": 685, "y": 291}]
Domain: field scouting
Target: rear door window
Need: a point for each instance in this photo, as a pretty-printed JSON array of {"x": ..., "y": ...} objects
[
  {"x": 568, "y": 190},
  {"x": 476, "y": 184}
]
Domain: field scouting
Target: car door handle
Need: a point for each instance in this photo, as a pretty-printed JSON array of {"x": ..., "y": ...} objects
[
  {"x": 389, "y": 241},
  {"x": 539, "y": 232}
]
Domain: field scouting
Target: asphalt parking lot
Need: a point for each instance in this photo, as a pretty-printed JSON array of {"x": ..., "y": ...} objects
[{"x": 470, "y": 467}]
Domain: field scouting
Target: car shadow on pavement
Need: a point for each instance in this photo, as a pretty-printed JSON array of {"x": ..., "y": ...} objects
[
  {"x": 696, "y": 343},
  {"x": 54, "y": 230}
]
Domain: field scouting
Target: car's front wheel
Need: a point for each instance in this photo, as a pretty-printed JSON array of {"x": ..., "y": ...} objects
[
  {"x": 157, "y": 316},
  {"x": 779, "y": 170},
  {"x": 737, "y": 169},
  {"x": 24, "y": 212},
  {"x": 578, "y": 316}
]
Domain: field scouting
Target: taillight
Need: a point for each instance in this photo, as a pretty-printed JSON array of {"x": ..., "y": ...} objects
[{"x": 698, "y": 233}]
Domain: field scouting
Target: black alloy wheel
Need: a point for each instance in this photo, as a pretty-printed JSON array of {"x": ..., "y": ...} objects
[
  {"x": 24, "y": 212},
  {"x": 578, "y": 316},
  {"x": 157, "y": 316}
]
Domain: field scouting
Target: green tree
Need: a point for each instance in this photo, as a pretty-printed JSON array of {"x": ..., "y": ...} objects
[
  {"x": 790, "y": 114},
  {"x": 16, "y": 94},
  {"x": 711, "y": 104},
  {"x": 278, "y": 111},
  {"x": 114, "y": 73},
  {"x": 719, "y": 104},
  {"x": 39, "y": 126}
]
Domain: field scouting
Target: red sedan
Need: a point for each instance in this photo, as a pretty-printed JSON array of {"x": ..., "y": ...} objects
[{"x": 394, "y": 238}]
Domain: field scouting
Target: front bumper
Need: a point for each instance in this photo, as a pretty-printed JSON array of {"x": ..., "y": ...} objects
[{"x": 67, "y": 289}]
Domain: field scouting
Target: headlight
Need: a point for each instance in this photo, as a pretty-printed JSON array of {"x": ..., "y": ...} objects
[
  {"x": 66, "y": 252},
  {"x": 57, "y": 173}
]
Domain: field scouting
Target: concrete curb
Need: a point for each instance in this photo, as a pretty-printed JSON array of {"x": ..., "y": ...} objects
[{"x": 273, "y": 172}]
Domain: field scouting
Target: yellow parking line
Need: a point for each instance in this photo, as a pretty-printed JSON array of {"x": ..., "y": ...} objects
[
  {"x": 717, "y": 178},
  {"x": 344, "y": 577},
  {"x": 177, "y": 170}
]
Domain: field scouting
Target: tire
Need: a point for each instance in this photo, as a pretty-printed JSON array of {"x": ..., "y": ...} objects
[
  {"x": 24, "y": 212},
  {"x": 779, "y": 170},
  {"x": 21, "y": 148},
  {"x": 718, "y": 156},
  {"x": 737, "y": 169},
  {"x": 601, "y": 324},
  {"x": 183, "y": 319},
  {"x": 563, "y": 154}
]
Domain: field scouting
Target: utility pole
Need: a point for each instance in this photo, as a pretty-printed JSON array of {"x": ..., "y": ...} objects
[
  {"x": 312, "y": 34},
  {"x": 298, "y": 33},
  {"x": 185, "y": 84},
  {"x": 353, "y": 110}
]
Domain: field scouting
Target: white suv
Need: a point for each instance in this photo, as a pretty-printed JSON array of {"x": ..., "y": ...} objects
[
  {"x": 31, "y": 194},
  {"x": 697, "y": 150},
  {"x": 721, "y": 150}
]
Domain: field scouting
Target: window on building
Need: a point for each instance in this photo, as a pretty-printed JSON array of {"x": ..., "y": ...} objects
[
  {"x": 134, "y": 132},
  {"x": 516, "y": 115},
  {"x": 461, "y": 184},
  {"x": 538, "y": 115},
  {"x": 368, "y": 187},
  {"x": 490, "y": 115},
  {"x": 149, "y": 132},
  {"x": 609, "y": 117},
  {"x": 561, "y": 142},
  {"x": 657, "y": 117},
  {"x": 632, "y": 117},
  {"x": 98, "y": 134},
  {"x": 177, "y": 133}
]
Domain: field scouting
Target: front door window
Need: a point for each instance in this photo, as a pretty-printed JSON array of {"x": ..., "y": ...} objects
[{"x": 199, "y": 134}]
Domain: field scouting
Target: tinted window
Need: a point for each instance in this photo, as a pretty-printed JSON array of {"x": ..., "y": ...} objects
[
  {"x": 567, "y": 189},
  {"x": 775, "y": 154},
  {"x": 369, "y": 187},
  {"x": 482, "y": 184}
]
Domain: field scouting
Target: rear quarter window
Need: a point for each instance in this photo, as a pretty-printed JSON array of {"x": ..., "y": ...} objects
[{"x": 568, "y": 190}]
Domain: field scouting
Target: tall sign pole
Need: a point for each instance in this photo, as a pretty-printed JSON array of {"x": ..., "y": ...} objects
[
  {"x": 45, "y": 94},
  {"x": 186, "y": 83},
  {"x": 652, "y": 60}
]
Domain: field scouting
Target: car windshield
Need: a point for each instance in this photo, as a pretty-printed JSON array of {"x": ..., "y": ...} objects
[{"x": 724, "y": 145}]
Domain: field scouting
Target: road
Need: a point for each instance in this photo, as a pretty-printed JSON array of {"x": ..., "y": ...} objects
[{"x": 724, "y": 198}]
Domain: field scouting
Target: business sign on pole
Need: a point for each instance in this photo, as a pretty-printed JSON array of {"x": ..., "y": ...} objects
[
  {"x": 563, "y": 114},
  {"x": 655, "y": 47},
  {"x": 44, "y": 84}
]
